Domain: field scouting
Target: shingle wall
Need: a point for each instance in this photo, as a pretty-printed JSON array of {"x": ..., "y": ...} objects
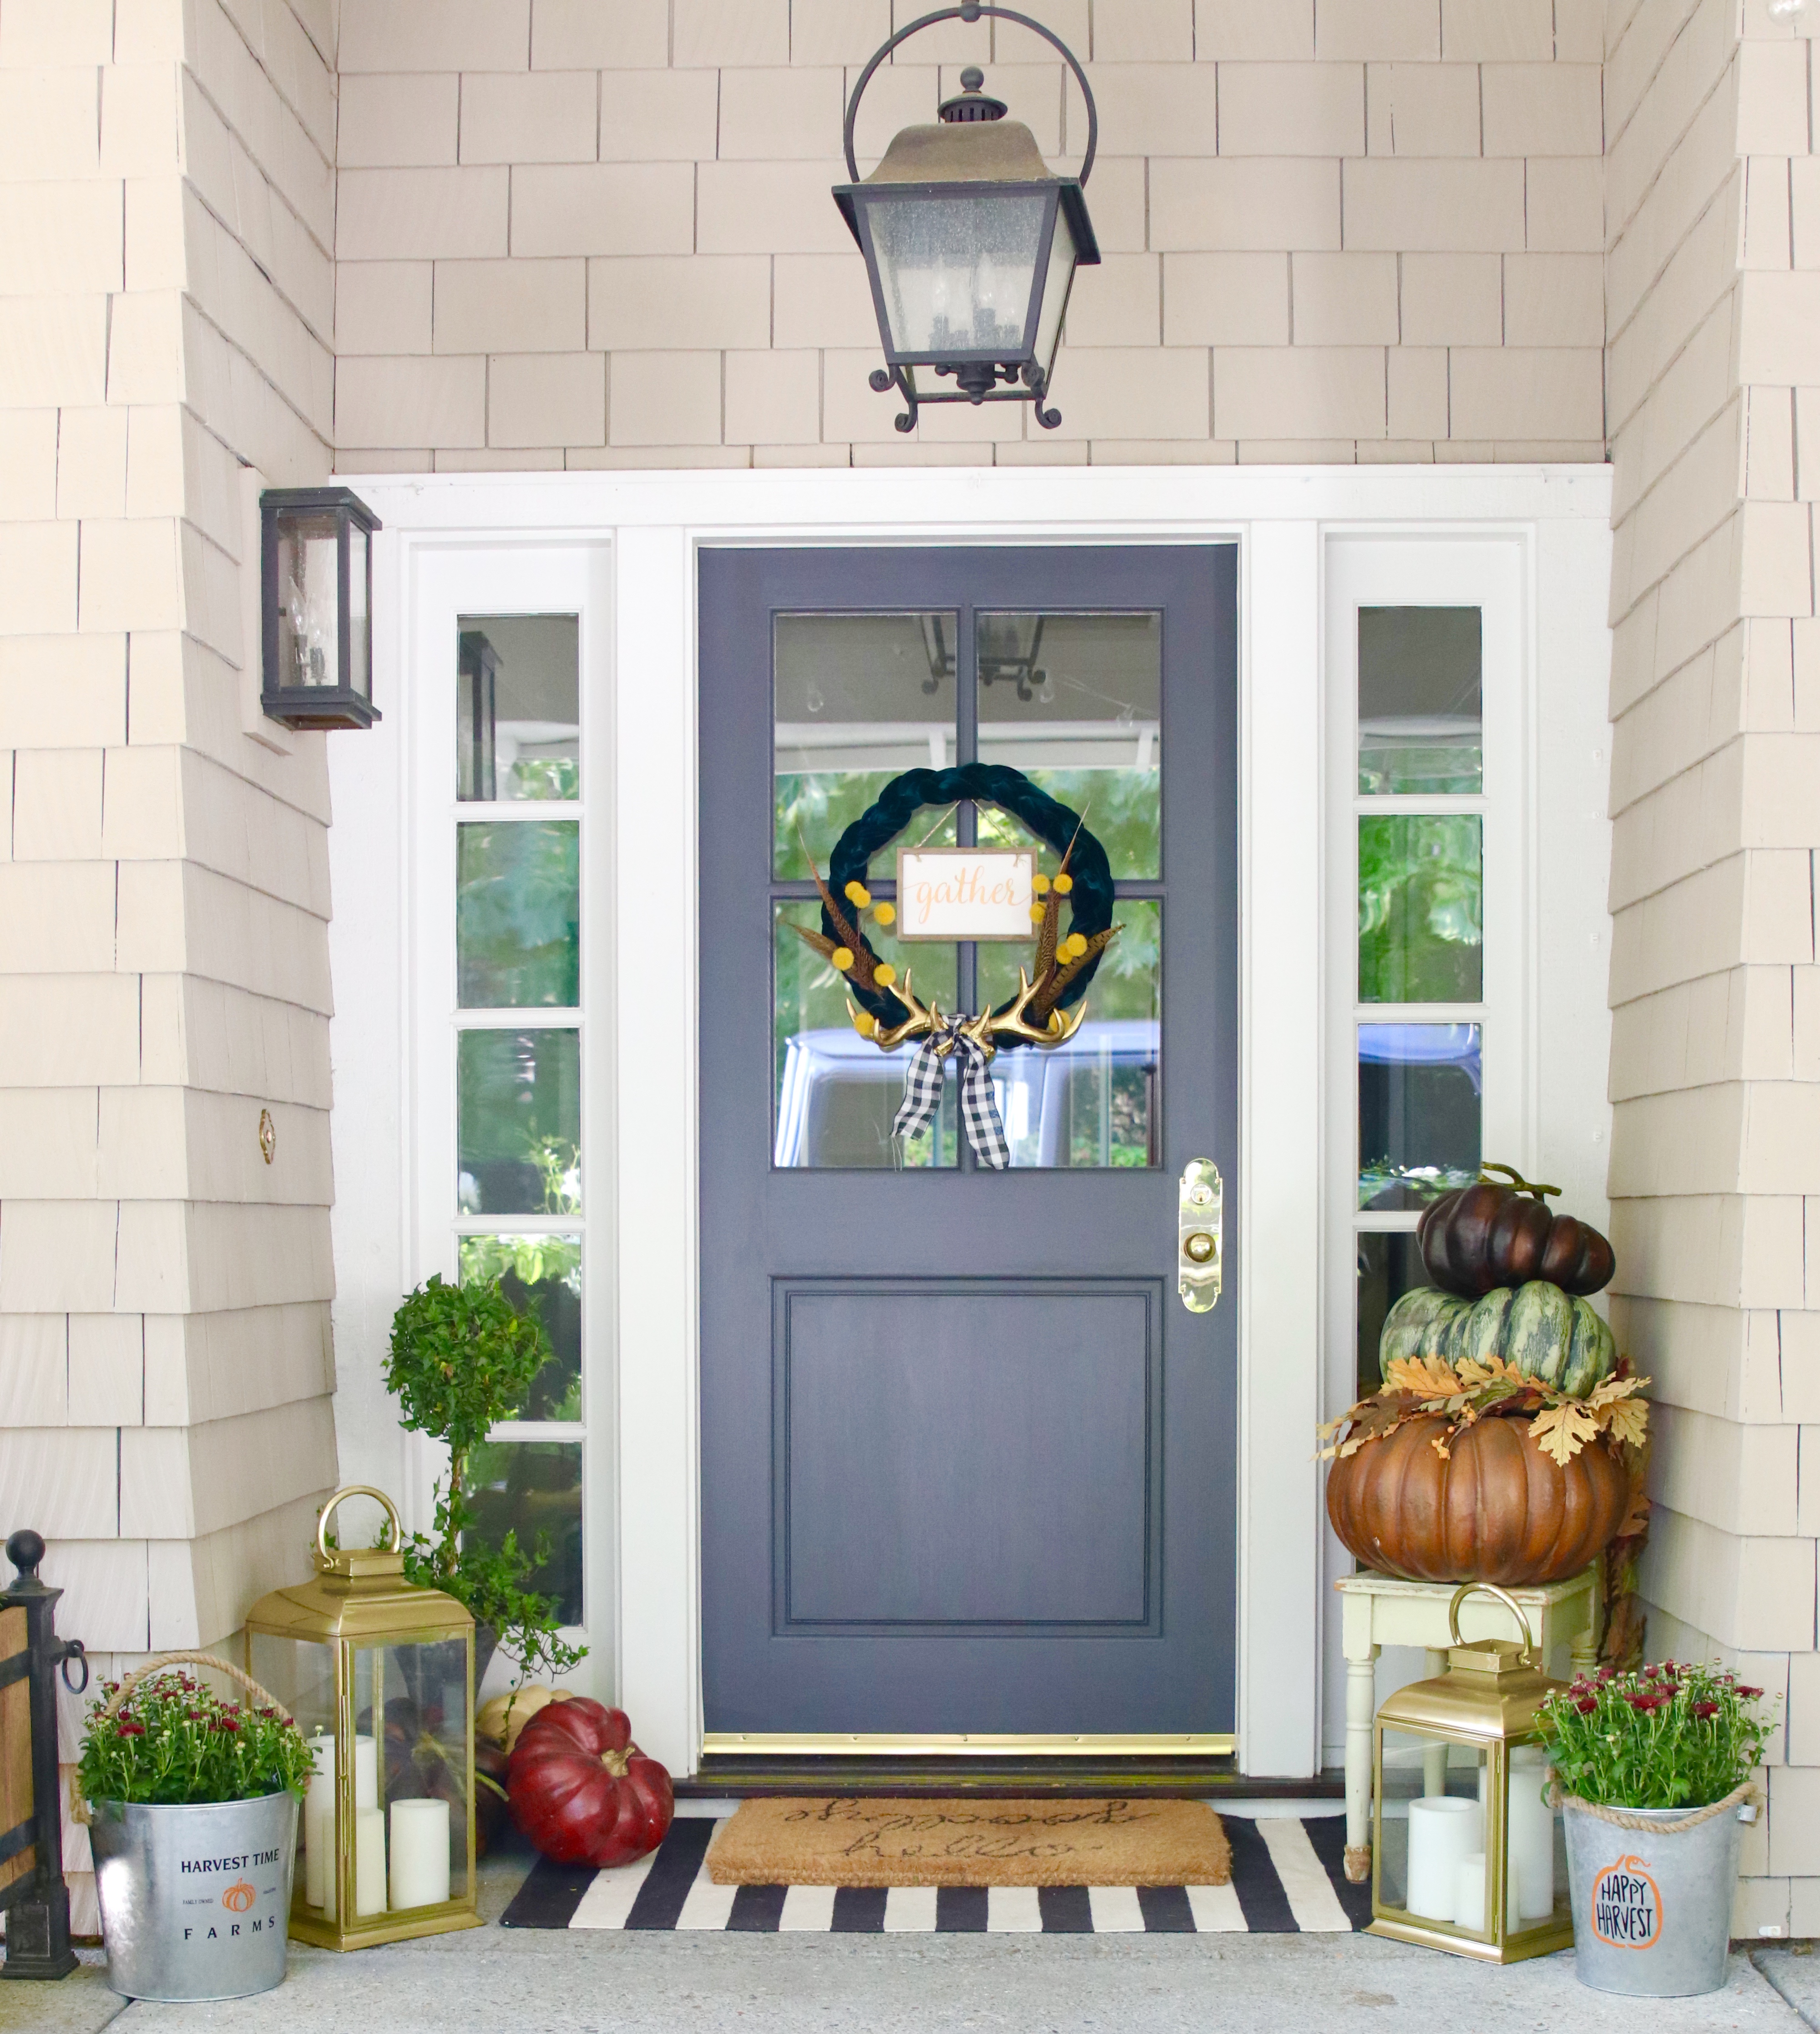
[
  {"x": 1712, "y": 197},
  {"x": 598, "y": 232},
  {"x": 165, "y": 311}
]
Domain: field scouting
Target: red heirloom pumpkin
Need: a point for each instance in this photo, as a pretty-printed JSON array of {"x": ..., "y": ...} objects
[
  {"x": 1481, "y": 1236},
  {"x": 1495, "y": 1509},
  {"x": 582, "y": 1791}
]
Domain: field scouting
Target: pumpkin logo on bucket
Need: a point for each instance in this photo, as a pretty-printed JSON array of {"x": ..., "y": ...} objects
[
  {"x": 238, "y": 1896},
  {"x": 1626, "y": 1905}
]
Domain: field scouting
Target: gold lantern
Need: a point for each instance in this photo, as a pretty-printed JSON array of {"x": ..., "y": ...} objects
[
  {"x": 1466, "y": 1853},
  {"x": 380, "y": 1675}
]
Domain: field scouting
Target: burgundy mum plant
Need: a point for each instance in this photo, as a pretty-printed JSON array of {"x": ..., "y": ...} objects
[
  {"x": 1670, "y": 1736},
  {"x": 176, "y": 1742}
]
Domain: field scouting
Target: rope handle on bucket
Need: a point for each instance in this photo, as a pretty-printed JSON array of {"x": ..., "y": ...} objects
[
  {"x": 79, "y": 1808},
  {"x": 1747, "y": 1794}
]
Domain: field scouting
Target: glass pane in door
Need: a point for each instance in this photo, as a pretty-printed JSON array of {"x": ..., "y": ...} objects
[
  {"x": 1420, "y": 701},
  {"x": 543, "y": 1273},
  {"x": 518, "y": 719},
  {"x": 1421, "y": 910},
  {"x": 857, "y": 699},
  {"x": 518, "y": 1122},
  {"x": 1419, "y": 1096},
  {"x": 1093, "y": 1101},
  {"x": 1389, "y": 1264},
  {"x": 837, "y": 1094},
  {"x": 518, "y": 913},
  {"x": 1074, "y": 701}
]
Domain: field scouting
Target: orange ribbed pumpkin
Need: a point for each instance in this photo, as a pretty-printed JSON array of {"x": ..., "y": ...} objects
[{"x": 1496, "y": 1509}]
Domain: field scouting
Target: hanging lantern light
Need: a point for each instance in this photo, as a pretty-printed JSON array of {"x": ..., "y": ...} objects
[
  {"x": 379, "y": 1674},
  {"x": 1475, "y": 1863},
  {"x": 971, "y": 242},
  {"x": 317, "y": 598}
]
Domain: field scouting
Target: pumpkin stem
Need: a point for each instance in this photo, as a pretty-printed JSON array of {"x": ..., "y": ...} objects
[
  {"x": 1515, "y": 1179},
  {"x": 616, "y": 1763}
]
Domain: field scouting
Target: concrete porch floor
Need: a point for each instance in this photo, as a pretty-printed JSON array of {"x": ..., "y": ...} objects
[{"x": 583, "y": 1982}]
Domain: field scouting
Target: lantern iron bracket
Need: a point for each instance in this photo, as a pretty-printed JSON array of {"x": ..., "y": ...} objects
[
  {"x": 1035, "y": 385},
  {"x": 972, "y": 10}
]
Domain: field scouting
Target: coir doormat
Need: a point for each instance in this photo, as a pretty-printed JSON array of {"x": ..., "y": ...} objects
[
  {"x": 1287, "y": 1878},
  {"x": 824, "y": 1841}
]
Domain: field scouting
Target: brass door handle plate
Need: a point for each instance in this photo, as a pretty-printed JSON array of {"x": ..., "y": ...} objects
[{"x": 1200, "y": 1223}]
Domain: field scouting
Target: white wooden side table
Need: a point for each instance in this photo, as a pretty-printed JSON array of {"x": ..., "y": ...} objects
[{"x": 1380, "y": 1611}]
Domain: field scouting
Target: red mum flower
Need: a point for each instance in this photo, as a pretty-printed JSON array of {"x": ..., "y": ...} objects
[
  {"x": 1704, "y": 1709},
  {"x": 1586, "y": 1706},
  {"x": 226, "y": 1723},
  {"x": 1747, "y": 1694},
  {"x": 1649, "y": 1673},
  {"x": 132, "y": 1730}
]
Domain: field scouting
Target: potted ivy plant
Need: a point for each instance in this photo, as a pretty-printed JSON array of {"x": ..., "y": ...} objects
[
  {"x": 192, "y": 1808},
  {"x": 1653, "y": 1769},
  {"x": 462, "y": 1358}
]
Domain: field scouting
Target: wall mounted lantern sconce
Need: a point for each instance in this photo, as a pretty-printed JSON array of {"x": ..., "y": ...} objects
[
  {"x": 316, "y": 606},
  {"x": 970, "y": 243}
]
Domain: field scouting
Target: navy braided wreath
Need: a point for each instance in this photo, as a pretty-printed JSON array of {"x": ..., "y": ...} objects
[{"x": 986, "y": 783}]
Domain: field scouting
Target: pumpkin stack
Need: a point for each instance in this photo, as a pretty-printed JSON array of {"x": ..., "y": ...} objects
[{"x": 1505, "y": 1444}]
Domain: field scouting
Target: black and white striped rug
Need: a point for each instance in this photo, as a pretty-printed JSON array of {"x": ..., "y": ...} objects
[{"x": 1287, "y": 1879}]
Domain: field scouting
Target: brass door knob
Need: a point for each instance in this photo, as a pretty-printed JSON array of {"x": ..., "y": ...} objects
[{"x": 1199, "y": 1247}]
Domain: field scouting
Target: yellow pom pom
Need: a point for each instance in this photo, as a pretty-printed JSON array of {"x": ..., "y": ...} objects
[
  {"x": 843, "y": 958},
  {"x": 1037, "y": 913},
  {"x": 1063, "y": 884},
  {"x": 885, "y": 974},
  {"x": 1041, "y": 885},
  {"x": 864, "y": 1023},
  {"x": 885, "y": 913},
  {"x": 857, "y": 893},
  {"x": 1074, "y": 946}
]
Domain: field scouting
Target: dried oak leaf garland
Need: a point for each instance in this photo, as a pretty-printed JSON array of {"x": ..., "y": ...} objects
[{"x": 1471, "y": 1388}]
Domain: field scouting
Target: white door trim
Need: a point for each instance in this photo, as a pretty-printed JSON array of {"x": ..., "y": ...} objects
[{"x": 653, "y": 523}]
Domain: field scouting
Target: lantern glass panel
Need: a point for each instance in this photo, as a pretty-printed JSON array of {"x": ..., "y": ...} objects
[
  {"x": 1056, "y": 287},
  {"x": 956, "y": 272},
  {"x": 359, "y": 610},
  {"x": 410, "y": 1848},
  {"x": 1431, "y": 1848},
  {"x": 1537, "y": 1844},
  {"x": 310, "y": 599}
]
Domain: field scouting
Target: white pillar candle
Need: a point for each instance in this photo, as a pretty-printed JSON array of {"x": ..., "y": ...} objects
[
  {"x": 419, "y": 1853},
  {"x": 368, "y": 1861},
  {"x": 1531, "y": 1847},
  {"x": 1469, "y": 1896},
  {"x": 1443, "y": 1829},
  {"x": 365, "y": 1773}
]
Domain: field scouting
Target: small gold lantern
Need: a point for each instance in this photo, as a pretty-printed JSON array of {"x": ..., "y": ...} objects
[
  {"x": 380, "y": 1676},
  {"x": 1466, "y": 1853}
]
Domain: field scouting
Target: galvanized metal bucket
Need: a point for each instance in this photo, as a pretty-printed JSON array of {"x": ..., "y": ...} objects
[
  {"x": 195, "y": 1900},
  {"x": 1653, "y": 1906}
]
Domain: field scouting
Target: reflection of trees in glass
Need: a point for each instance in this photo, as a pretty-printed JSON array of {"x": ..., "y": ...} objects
[
  {"x": 518, "y": 913},
  {"x": 517, "y": 1112},
  {"x": 543, "y": 1273},
  {"x": 824, "y": 803},
  {"x": 546, "y": 777},
  {"x": 533, "y": 1488},
  {"x": 1420, "y": 910},
  {"x": 1123, "y": 809}
]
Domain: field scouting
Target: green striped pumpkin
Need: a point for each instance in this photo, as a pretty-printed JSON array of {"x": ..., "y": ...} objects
[{"x": 1546, "y": 1333}]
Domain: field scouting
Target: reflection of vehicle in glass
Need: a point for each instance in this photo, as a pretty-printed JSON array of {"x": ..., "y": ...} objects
[
  {"x": 1419, "y": 1086},
  {"x": 1087, "y": 1102}
]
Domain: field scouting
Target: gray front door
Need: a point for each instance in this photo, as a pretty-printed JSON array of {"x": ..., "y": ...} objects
[{"x": 968, "y": 1463}]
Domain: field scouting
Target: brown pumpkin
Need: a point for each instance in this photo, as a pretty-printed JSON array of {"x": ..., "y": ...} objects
[
  {"x": 1479, "y": 1237},
  {"x": 1496, "y": 1509}
]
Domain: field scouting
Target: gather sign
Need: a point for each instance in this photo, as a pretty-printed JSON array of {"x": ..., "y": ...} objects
[{"x": 965, "y": 893}]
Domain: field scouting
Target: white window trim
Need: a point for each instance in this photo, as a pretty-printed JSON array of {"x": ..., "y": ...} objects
[{"x": 651, "y": 526}]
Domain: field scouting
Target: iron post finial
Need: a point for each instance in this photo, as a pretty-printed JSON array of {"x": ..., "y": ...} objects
[{"x": 25, "y": 1549}]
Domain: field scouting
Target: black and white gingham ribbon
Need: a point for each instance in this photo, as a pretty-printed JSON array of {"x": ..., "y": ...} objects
[{"x": 922, "y": 1093}]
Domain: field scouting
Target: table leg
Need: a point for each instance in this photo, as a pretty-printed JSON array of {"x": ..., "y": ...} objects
[
  {"x": 1362, "y": 1706},
  {"x": 1434, "y": 1758},
  {"x": 1583, "y": 1650}
]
